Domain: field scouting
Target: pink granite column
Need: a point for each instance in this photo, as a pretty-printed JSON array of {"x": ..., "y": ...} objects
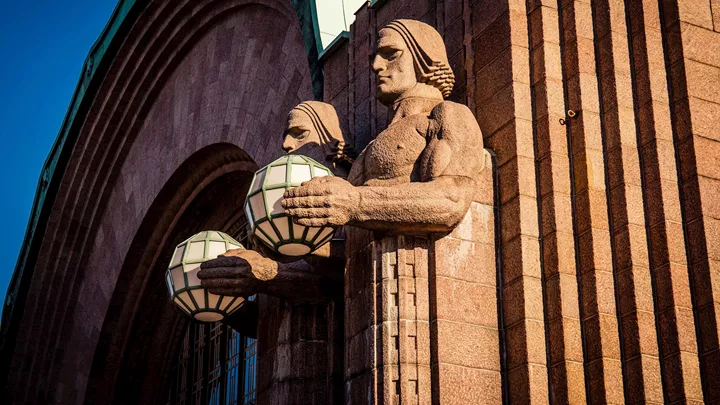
[{"x": 421, "y": 314}]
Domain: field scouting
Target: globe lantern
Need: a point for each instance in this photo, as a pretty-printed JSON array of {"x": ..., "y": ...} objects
[
  {"x": 267, "y": 217},
  {"x": 182, "y": 281}
]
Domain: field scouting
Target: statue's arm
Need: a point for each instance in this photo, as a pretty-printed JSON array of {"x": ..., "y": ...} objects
[
  {"x": 437, "y": 203},
  {"x": 242, "y": 273}
]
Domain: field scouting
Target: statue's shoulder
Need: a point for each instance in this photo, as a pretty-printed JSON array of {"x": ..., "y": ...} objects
[
  {"x": 452, "y": 111},
  {"x": 455, "y": 120}
]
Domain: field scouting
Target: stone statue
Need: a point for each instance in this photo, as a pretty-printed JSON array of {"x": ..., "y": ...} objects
[
  {"x": 400, "y": 204},
  {"x": 417, "y": 176},
  {"x": 405, "y": 194},
  {"x": 314, "y": 123},
  {"x": 313, "y": 129}
]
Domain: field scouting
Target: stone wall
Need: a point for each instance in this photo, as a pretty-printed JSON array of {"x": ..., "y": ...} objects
[
  {"x": 603, "y": 119},
  {"x": 592, "y": 275}
]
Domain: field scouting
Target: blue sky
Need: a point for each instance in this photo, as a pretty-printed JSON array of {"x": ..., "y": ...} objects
[{"x": 43, "y": 44}]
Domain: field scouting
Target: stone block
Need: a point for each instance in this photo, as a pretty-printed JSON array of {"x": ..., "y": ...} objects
[
  {"x": 696, "y": 12},
  {"x": 500, "y": 72},
  {"x": 553, "y": 176},
  {"x": 465, "y": 260},
  {"x": 525, "y": 343},
  {"x": 594, "y": 253},
  {"x": 505, "y": 141},
  {"x": 564, "y": 339},
  {"x": 682, "y": 382},
  {"x": 523, "y": 300},
  {"x": 709, "y": 191},
  {"x": 460, "y": 385},
  {"x": 462, "y": 301},
  {"x": 467, "y": 345},
  {"x": 519, "y": 176},
  {"x": 478, "y": 225},
  {"x": 528, "y": 384},
  {"x": 559, "y": 254},
  {"x": 544, "y": 25},
  {"x": 568, "y": 381},
  {"x": 520, "y": 258},
  {"x": 561, "y": 296}
]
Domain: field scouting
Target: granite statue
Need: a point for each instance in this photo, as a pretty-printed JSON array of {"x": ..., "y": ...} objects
[
  {"x": 417, "y": 176},
  {"x": 313, "y": 129}
]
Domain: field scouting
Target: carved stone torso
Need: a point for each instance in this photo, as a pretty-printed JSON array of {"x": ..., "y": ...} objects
[{"x": 393, "y": 156}]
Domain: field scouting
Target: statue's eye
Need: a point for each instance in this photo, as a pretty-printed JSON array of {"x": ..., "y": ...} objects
[
  {"x": 394, "y": 54},
  {"x": 302, "y": 134}
]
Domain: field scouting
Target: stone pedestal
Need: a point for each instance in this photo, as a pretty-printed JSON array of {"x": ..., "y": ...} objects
[
  {"x": 299, "y": 352},
  {"x": 421, "y": 314}
]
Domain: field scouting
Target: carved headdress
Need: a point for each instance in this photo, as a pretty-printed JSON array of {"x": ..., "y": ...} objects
[
  {"x": 428, "y": 51},
  {"x": 330, "y": 129}
]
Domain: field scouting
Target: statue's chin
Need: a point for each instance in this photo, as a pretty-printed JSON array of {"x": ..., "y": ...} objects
[{"x": 386, "y": 97}]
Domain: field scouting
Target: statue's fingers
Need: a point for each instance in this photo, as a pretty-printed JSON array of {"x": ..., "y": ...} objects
[
  {"x": 304, "y": 202},
  {"x": 323, "y": 179},
  {"x": 308, "y": 212},
  {"x": 220, "y": 272},
  {"x": 214, "y": 282},
  {"x": 226, "y": 282},
  {"x": 234, "y": 261},
  {"x": 301, "y": 191},
  {"x": 312, "y": 221}
]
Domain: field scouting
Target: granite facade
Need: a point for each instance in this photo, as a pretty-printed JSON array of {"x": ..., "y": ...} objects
[{"x": 592, "y": 275}]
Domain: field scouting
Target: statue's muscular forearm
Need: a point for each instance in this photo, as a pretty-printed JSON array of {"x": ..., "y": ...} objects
[
  {"x": 418, "y": 207},
  {"x": 300, "y": 279}
]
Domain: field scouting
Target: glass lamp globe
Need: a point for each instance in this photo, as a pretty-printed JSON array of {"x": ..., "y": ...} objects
[
  {"x": 184, "y": 285},
  {"x": 267, "y": 217}
]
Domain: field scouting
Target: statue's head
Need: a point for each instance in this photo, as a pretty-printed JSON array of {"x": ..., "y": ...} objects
[
  {"x": 410, "y": 52},
  {"x": 314, "y": 129}
]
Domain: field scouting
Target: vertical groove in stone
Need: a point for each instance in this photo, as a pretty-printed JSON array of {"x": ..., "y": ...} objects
[
  {"x": 502, "y": 98},
  {"x": 638, "y": 340},
  {"x": 692, "y": 62},
  {"x": 595, "y": 277},
  {"x": 469, "y": 55},
  {"x": 660, "y": 188},
  {"x": 562, "y": 321}
]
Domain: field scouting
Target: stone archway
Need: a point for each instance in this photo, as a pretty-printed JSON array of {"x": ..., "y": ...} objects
[
  {"x": 141, "y": 328},
  {"x": 188, "y": 75}
]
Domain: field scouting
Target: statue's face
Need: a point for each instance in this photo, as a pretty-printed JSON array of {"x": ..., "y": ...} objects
[
  {"x": 394, "y": 67},
  {"x": 299, "y": 132}
]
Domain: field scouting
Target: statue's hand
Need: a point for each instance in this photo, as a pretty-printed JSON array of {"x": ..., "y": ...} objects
[
  {"x": 238, "y": 273},
  {"x": 322, "y": 201}
]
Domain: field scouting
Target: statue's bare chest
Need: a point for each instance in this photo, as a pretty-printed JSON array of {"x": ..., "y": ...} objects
[{"x": 393, "y": 154}]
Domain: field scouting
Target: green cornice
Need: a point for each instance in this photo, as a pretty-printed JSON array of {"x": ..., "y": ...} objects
[
  {"x": 376, "y": 4},
  {"x": 93, "y": 70},
  {"x": 336, "y": 43},
  {"x": 307, "y": 17}
]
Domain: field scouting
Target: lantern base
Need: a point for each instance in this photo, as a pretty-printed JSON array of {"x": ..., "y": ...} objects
[
  {"x": 294, "y": 249},
  {"x": 208, "y": 316}
]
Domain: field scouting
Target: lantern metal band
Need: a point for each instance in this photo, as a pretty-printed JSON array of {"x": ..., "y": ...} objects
[
  {"x": 267, "y": 217},
  {"x": 183, "y": 284}
]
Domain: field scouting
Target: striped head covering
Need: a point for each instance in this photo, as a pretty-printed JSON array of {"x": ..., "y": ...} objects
[
  {"x": 330, "y": 130},
  {"x": 428, "y": 51}
]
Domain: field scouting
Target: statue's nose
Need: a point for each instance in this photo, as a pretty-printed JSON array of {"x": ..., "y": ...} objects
[
  {"x": 288, "y": 146},
  {"x": 377, "y": 64}
]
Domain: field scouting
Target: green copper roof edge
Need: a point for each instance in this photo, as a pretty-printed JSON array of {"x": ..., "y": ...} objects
[
  {"x": 306, "y": 12},
  {"x": 340, "y": 39},
  {"x": 376, "y": 4},
  {"x": 93, "y": 68}
]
